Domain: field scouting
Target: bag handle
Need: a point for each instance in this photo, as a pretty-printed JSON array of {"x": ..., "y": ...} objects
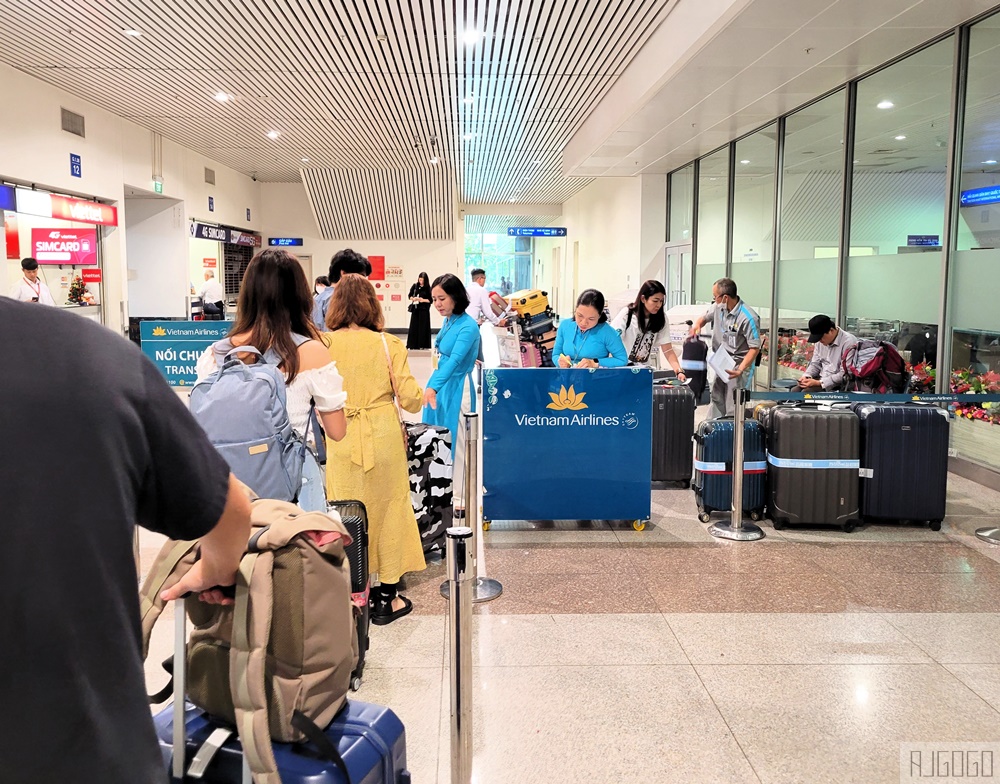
[{"x": 395, "y": 394}]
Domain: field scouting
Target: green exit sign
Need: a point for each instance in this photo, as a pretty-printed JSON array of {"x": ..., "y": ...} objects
[{"x": 158, "y": 186}]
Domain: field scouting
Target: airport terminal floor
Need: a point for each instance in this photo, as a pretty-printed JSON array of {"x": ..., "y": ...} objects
[{"x": 669, "y": 656}]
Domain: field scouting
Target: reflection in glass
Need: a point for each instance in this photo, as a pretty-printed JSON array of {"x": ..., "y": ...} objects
[
  {"x": 681, "y": 204},
  {"x": 809, "y": 245},
  {"x": 713, "y": 198}
]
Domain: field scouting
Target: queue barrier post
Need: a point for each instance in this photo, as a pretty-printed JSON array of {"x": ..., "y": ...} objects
[{"x": 736, "y": 530}]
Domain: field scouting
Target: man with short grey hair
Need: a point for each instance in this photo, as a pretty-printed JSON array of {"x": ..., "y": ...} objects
[
  {"x": 213, "y": 295},
  {"x": 736, "y": 331}
]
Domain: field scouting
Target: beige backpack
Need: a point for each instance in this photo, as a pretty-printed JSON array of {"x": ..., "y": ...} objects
[{"x": 286, "y": 647}]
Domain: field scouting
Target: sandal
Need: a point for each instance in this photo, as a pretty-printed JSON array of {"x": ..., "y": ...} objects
[{"x": 381, "y": 617}]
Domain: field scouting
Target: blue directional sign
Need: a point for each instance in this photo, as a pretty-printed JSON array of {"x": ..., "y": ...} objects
[
  {"x": 988, "y": 195},
  {"x": 75, "y": 166},
  {"x": 284, "y": 242},
  {"x": 536, "y": 231},
  {"x": 175, "y": 346}
]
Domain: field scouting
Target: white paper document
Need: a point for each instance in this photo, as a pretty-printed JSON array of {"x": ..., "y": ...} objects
[{"x": 721, "y": 361}]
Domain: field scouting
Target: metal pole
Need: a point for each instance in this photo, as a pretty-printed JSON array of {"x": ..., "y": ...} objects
[
  {"x": 735, "y": 529},
  {"x": 180, "y": 671},
  {"x": 485, "y": 588},
  {"x": 461, "y": 572}
]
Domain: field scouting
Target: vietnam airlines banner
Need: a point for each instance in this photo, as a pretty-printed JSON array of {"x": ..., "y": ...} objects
[{"x": 567, "y": 444}]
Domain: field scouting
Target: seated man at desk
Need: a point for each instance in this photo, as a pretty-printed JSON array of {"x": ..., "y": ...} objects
[{"x": 826, "y": 371}]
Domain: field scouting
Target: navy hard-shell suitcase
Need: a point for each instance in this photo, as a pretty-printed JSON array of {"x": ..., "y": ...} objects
[
  {"x": 813, "y": 461},
  {"x": 904, "y": 462},
  {"x": 713, "y": 468},
  {"x": 673, "y": 425},
  {"x": 370, "y": 739},
  {"x": 354, "y": 516}
]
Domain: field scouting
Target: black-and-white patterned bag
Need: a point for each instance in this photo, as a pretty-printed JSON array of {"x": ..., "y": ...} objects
[{"x": 428, "y": 451}]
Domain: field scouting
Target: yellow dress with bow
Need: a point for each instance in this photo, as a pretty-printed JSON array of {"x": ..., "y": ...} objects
[{"x": 369, "y": 464}]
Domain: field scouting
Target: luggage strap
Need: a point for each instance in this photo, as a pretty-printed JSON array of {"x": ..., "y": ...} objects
[
  {"x": 790, "y": 462},
  {"x": 749, "y": 467},
  {"x": 207, "y": 752},
  {"x": 318, "y": 738},
  {"x": 693, "y": 364}
]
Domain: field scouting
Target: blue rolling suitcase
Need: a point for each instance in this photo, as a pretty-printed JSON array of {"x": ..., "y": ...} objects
[{"x": 713, "y": 468}]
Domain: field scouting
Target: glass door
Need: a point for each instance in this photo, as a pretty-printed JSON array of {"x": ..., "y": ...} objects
[{"x": 677, "y": 273}]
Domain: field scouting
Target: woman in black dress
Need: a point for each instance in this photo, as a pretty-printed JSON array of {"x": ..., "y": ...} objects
[{"x": 419, "y": 335}]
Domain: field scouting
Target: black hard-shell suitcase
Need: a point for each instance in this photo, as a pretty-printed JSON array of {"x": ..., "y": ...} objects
[
  {"x": 694, "y": 363},
  {"x": 673, "y": 426},
  {"x": 813, "y": 460},
  {"x": 354, "y": 516},
  {"x": 904, "y": 462}
]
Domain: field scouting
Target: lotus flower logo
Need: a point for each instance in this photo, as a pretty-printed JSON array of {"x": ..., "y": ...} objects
[
  {"x": 567, "y": 399},
  {"x": 159, "y": 331}
]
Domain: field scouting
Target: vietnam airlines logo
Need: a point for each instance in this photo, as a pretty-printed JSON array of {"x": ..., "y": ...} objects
[
  {"x": 159, "y": 332},
  {"x": 567, "y": 399}
]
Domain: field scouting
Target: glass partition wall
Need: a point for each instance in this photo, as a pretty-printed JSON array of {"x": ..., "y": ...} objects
[{"x": 864, "y": 231}]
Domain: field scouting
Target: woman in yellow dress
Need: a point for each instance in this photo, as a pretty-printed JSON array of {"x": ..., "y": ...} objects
[{"x": 369, "y": 464}]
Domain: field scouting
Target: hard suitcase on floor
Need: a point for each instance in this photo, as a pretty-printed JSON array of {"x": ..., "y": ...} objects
[
  {"x": 673, "y": 426},
  {"x": 813, "y": 460},
  {"x": 366, "y": 741},
  {"x": 430, "y": 466},
  {"x": 529, "y": 302},
  {"x": 354, "y": 516},
  {"x": 904, "y": 462},
  {"x": 713, "y": 468}
]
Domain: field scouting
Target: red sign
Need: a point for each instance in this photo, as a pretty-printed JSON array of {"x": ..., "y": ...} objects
[
  {"x": 12, "y": 237},
  {"x": 380, "y": 297},
  {"x": 209, "y": 263},
  {"x": 378, "y": 267},
  {"x": 91, "y": 275},
  {"x": 397, "y": 297},
  {"x": 65, "y": 246},
  {"x": 83, "y": 211}
]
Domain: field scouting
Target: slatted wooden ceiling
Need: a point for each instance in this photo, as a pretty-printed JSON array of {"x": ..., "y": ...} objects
[{"x": 367, "y": 92}]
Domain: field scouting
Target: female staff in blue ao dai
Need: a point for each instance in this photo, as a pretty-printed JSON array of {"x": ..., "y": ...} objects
[
  {"x": 588, "y": 341},
  {"x": 449, "y": 390}
]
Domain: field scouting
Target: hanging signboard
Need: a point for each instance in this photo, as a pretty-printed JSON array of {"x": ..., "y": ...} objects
[{"x": 206, "y": 231}]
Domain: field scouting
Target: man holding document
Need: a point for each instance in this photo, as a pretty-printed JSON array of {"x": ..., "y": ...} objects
[{"x": 735, "y": 344}]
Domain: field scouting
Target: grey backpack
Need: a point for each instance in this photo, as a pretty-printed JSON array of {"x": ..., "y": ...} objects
[{"x": 242, "y": 410}]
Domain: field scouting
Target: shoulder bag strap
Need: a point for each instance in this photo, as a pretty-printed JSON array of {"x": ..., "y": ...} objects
[{"x": 395, "y": 393}]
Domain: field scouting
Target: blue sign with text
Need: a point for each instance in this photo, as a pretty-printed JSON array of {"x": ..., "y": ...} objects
[
  {"x": 536, "y": 231},
  {"x": 211, "y": 204},
  {"x": 75, "y": 165},
  {"x": 988, "y": 195},
  {"x": 174, "y": 346},
  {"x": 284, "y": 242},
  {"x": 928, "y": 240},
  {"x": 8, "y": 198},
  {"x": 567, "y": 444}
]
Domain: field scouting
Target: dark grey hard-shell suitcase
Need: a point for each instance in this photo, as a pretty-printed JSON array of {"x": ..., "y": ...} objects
[
  {"x": 673, "y": 426},
  {"x": 813, "y": 461}
]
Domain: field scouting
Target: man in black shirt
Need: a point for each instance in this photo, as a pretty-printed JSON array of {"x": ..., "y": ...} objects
[{"x": 92, "y": 443}]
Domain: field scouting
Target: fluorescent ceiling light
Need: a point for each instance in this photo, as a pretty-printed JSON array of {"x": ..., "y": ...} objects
[
  {"x": 222, "y": 97},
  {"x": 273, "y": 134},
  {"x": 744, "y": 162},
  {"x": 885, "y": 104},
  {"x": 900, "y": 138},
  {"x": 989, "y": 163},
  {"x": 132, "y": 32}
]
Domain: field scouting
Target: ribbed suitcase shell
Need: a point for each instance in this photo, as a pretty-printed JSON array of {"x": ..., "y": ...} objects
[
  {"x": 826, "y": 496},
  {"x": 529, "y": 302},
  {"x": 905, "y": 447},
  {"x": 673, "y": 426},
  {"x": 354, "y": 516},
  {"x": 714, "y": 492}
]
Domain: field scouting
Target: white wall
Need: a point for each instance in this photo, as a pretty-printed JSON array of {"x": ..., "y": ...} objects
[
  {"x": 154, "y": 240},
  {"x": 286, "y": 213},
  {"x": 115, "y": 153}
]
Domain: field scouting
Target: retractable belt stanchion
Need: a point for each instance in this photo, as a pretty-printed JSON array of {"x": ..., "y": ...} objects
[
  {"x": 461, "y": 579},
  {"x": 180, "y": 674},
  {"x": 484, "y": 588},
  {"x": 736, "y": 529}
]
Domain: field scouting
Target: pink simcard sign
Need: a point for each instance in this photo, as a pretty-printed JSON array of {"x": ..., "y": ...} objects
[{"x": 65, "y": 246}]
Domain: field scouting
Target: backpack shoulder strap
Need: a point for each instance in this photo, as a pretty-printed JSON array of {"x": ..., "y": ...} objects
[{"x": 174, "y": 560}]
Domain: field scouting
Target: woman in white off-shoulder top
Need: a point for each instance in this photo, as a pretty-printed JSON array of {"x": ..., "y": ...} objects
[{"x": 275, "y": 317}]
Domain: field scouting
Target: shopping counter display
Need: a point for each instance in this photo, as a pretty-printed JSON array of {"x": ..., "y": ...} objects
[{"x": 567, "y": 444}]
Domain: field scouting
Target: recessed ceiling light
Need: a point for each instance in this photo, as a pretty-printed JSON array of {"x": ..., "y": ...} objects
[
  {"x": 471, "y": 36},
  {"x": 536, "y": 163},
  {"x": 469, "y": 100},
  {"x": 222, "y": 97},
  {"x": 304, "y": 160},
  {"x": 468, "y": 136},
  {"x": 434, "y": 160},
  {"x": 989, "y": 163},
  {"x": 511, "y": 200},
  {"x": 132, "y": 32},
  {"x": 899, "y": 138},
  {"x": 744, "y": 162},
  {"x": 273, "y": 134},
  {"x": 381, "y": 38},
  {"x": 885, "y": 104}
]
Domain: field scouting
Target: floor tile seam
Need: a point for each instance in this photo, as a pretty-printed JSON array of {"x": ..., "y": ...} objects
[
  {"x": 960, "y": 680},
  {"x": 887, "y": 617}
]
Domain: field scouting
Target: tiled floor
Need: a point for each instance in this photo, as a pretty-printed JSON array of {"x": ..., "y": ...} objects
[{"x": 669, "y": 656}]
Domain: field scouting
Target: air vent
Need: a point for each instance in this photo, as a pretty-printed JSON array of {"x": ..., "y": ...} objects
[
  {"x": 73, "y": 123},
  {"x": 210, "y": 176}
]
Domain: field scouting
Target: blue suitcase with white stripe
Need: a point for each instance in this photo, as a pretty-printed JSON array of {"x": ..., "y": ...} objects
[
  {"x": 814, "y": 454},
  {"x": 713, "y": 468}
]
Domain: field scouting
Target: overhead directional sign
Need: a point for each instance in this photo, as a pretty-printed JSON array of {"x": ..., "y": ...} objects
[{"x": 536, "y": 231}]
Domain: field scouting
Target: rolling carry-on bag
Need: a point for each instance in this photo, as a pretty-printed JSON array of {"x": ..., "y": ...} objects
[
  {"x": 531, "y": 355},
  {"x": 529, "y": 302},
  {"x": 904, "y": 462},
  {"x": 354, "y": 516},
  {"x": 535, "y": 326},
  {"x": 429, "y": 458},
  {"x": 813, "y": 460},
  {"x": 673, "y": 425},
  {"x": 713, "y": 468},
  {"x": 694, "y": 363},
  {"x": 364, "y": 744}
]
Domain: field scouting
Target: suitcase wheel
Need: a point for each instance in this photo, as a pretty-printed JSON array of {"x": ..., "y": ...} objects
[
  {"x": 779, "y": 525},
  {"x": 639, "y": 525},
  {"x": 355, "y": 682},
  {"x": 755, "y": 515},
  {"x": 935, "y": 525},
  {"x": 686, "y": 484},
  {"x": 848, "y": 527},
  {"x": 705, "y": 517}
]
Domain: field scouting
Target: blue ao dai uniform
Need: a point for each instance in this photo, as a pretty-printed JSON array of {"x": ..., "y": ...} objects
[{"x": 601, "y": 343}]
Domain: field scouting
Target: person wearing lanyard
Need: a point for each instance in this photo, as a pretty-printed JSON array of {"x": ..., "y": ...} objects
[
  {"x": 30, "y": 288},
  {"x": 588, "y": 341},
  {"x": 449, "y": 389}
]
